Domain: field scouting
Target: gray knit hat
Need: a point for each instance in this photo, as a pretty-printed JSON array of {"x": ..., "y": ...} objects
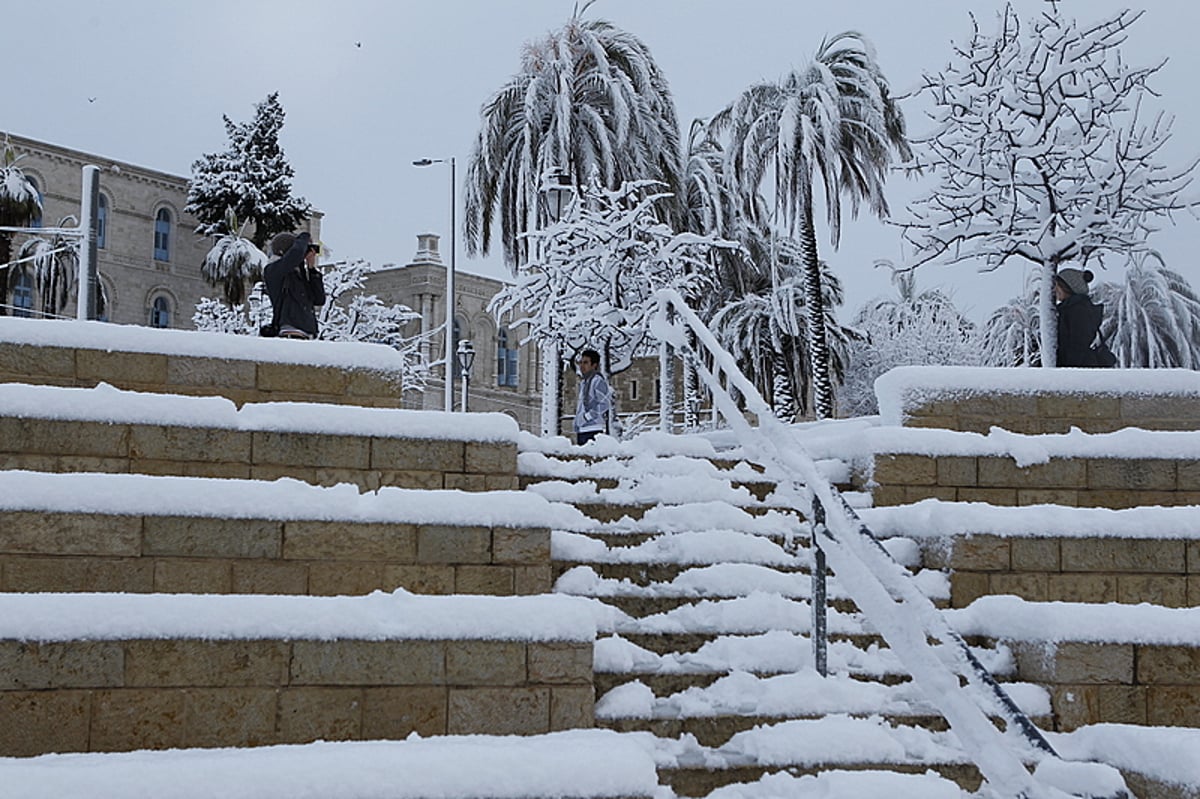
[
  {"x": 1076, "y": 280},
  {"x": 282, "y": 243}
]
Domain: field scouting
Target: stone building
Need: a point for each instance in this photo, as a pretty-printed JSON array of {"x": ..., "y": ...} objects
[
  {"x": 505, "y": 377},
  {"x": 148, "y": 254}
]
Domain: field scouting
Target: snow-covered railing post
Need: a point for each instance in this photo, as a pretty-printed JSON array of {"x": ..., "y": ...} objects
[
  {"x": 820, "y": 627},
  {"x": 88, "y": 216},
  {"x": 666, "y": 376},
  {"x": 952, "y": 678}
]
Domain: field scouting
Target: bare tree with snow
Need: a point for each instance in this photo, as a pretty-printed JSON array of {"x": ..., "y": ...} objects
[
  {"x": 252, "y": 179},
  {"x": 1042, "y": 153},
  {"x": 835, "y": 123},
  {"x": 592, "y": 275},
  {"x": 587, "y": 96}
]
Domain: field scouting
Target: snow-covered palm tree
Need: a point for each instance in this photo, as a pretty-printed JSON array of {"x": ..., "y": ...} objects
[
  {"x": 1011, "y": 335},
  {"x": 587, "y": 96},
  {"x": 835, "y": 122},
  {"x": 55, "y": 263},
  {"x": 763, "y": 328},
  {"x": 19, "y": 205},
  {"x": 233, "y": 262},
  {"x": 1153, "y": 319}
]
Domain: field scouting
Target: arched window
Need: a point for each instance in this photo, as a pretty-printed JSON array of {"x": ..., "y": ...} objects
[
  {"x": 101, "y": 222},
  {"x": 160, "y": 312},
  {"x": 162, "y": 235},
  {"x": 36, "y": 221},
  {"x": 506, "y": 360},
  {"x": 22, "y": 294}
]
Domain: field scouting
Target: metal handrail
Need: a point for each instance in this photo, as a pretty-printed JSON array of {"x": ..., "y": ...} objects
[{"x": 882, "y": 588}]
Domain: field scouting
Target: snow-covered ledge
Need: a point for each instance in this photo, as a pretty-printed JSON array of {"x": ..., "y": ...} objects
[
  {"x": 975, "y": 399},
  {"x": 243, "y": 368},
  {"x": 113, "y": 672}
]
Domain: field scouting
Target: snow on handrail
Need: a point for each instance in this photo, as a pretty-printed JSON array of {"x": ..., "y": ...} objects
[{"x": 883, "y": 589}]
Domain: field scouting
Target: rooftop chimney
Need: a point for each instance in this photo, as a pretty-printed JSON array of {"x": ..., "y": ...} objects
[{"x": 427, "y": 249}]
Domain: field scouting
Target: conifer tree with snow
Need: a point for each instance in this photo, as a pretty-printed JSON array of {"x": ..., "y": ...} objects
[
  {"x": 1043, "y": 153},
  {"x": 250, "y": 181}
]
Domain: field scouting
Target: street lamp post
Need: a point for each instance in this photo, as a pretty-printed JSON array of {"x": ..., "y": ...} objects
[
  {"x": 557, "y": 192},
  {"x": 466, "y": 358},
  {"x": 449, "y": 329}
]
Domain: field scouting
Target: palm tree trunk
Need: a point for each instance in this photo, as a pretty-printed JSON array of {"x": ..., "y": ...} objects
[{"x": 818, "y": 347}]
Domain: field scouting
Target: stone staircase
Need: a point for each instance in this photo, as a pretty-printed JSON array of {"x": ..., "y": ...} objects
[{"x": 710, "y": 566}]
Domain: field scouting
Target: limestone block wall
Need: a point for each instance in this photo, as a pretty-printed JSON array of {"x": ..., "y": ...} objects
[
  {"x": 1124, "y": 683},
  {"x": 1055, "y": 412},
  {"x": 1161, "y": 571},
  {"x": 1036, "y": 401},
  {"x": 245, "y": 379},
  {"x": 1091, "y": 482},
  {"x": 47, "y": 551},
  {"x": 122, "y": 695},
  {"x": 65, "y": 445}
]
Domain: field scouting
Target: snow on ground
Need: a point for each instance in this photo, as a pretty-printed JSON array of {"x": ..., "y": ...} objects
[
  {"x": 906, "y": 386},
  {"x": 104, "y": 403},
  {"x": 1027, "y": 450},
  {"x": 136, "y": 338},
  {"x": 375, "y": 617},
  {"x": 562, "y": 764},
  {"x": 802, "y": 693},
  {"x": 933, "y": 518},
  {"x": 282, "y": 499},
  {"x": 1012, "y": 618}
]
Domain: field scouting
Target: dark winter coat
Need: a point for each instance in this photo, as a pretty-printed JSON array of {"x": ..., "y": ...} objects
[
  {"x": 294, "y": 289},
  {"x": 1078, "y": 324}
]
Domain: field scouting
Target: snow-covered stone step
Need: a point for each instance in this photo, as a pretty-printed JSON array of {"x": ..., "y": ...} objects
[
  {"x": 562, "y": 765},
  {"x": 809, "y": 747},
  {"x": 720, "y": 581},
  {"x": 1055, "y": 553},
  {"x": 740, "y": 701},
  {"x": 103, "y": 429},
  {"x": 142, "y": 534},
  {"x": 117, "y": 672},
  {"x": 777, "y": 652}
]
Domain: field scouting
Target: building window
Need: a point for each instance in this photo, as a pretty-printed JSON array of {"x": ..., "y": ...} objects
[
  {"x": 506, "y": 361},
  {"x": 657, "y": 390},
  {"x": 36, "y": 221},
  {"x": 22, "y": 294},
  {"x": 160, "y": 312},
  {"x": 101, "y": 222},
  {"x": 633, "y": 390},
  {"x": 162, "y": 235}
]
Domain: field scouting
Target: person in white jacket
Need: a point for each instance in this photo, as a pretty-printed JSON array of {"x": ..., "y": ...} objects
[{"x": 595, "y": 399}]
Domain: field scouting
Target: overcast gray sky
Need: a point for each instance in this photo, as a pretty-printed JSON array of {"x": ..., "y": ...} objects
[{"x": 163, "y": 73}]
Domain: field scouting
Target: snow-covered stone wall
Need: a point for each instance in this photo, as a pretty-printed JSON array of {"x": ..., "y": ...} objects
[
  {"x": 975, "y": 399},
  {"x": 244, "y": 369}
]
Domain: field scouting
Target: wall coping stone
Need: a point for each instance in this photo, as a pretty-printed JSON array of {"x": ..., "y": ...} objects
[{"x": 375, "y": 617}]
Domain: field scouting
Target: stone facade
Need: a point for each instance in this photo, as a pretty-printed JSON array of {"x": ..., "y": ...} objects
[{"x": 133, "y": 272}]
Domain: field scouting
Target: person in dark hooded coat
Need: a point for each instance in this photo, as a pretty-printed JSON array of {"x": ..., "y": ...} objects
[
  {"x": 295, "y": 286},
  {"x": 1078, "y": 318}
]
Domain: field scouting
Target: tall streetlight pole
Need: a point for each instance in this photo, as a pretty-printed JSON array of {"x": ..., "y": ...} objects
[{"x": 449, "y": 363}]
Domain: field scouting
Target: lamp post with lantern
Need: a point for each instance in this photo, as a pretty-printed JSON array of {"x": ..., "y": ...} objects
[
  {"x": 450, "y": 304},
  {"x": 466, "y": 359},
  {"x": 557, "y": 192}
]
